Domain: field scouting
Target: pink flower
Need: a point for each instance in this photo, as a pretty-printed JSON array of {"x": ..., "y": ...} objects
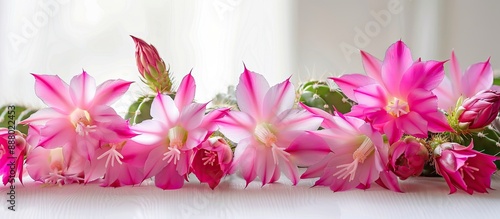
[
  {"x": 396, "y": 94},
  {"x": 78, "y": 117},
  {"x": 151, "y": 67},
  {"x": 264, "y": 129},
  {"x": 211, "y": 161},
  {"x": 178, "y": 126},
  {"x": 407, "y": 157},
  {"x": 111, "y": 164},
  {"x": 53, "y": 166},
  {"x": 479, "y": 110},
  {"x": 464, "y": 168},
  {"x": 13, "y": 148},
  {"x": 477, "y": 77},
  {"x": 358, "y": 155}
]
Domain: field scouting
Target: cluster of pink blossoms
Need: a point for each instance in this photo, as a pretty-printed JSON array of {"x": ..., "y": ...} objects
[{"x": 79, "y": 138}]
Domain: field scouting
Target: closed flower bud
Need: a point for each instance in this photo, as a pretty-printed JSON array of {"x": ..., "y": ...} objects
[
  {"x": 479, "y": 111},
  {"x": 407, "y": 157},
  {"x": 152, "y": 67}
]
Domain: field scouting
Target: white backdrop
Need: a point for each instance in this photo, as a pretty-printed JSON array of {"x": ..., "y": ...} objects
[{"x": 279, "y": 38}]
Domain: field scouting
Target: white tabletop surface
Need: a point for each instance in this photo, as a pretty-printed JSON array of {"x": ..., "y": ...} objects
[{"x": 424, "y": 198}]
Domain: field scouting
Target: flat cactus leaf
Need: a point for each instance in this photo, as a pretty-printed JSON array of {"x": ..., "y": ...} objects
[
  {"x": 140, "y": 110},
  {"x": 487, "y": 141}
]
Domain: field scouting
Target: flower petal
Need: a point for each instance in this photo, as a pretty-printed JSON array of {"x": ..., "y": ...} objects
[
  {"x": 82, "y": 90},
  {"x": 294, "y": 119},
  {"x": 168, "y": 178},
  {"x": 307, "y": 149},
  {"x": 237, "y": 126},
  {"x": 413, "y": 124},
  {"x": 477, "y": 77},
  {"x": 289, "y": 169},
  {"x": 447, "y": 99},
  {"x": 373, "y": 66},
  {"x": 57, "y": 133},
  {"x": 185, "y": 93},
  {"x": 54, "y": 92},
  {"x": 250, "y": 92},
  {"x": 155, "y": 164},
  {"x": 397, "y": 60},
  {"x": 192, "y": 115},
  {"x": 455, "y": 74},
  {"x": 41, "y": 116},
  {"x": 264, "y": 163},
  {"x": 109, "y": 91},
  {"x": 425, "y": 75},
  {"x": 164, "y": 110},
  {"x": 371, "y": 95},
  {"x": 151, "y": 132},
  {"x": 279, "y": 98},
  {"x": 349, "y": 83}
]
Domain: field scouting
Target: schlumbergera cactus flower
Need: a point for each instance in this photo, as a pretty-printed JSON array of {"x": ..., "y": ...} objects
[
  {"x": 407, "y": 157},
  {"x": 79, "y": 118},
  {"x": 478, "y": 111},
  {"x": 358, "y": 157},
  {"x": 212, "y": 160},
  {"x": 13, "y": 147},
  {"x": 464, "y": 168},
  {"x": 170, "y": 138},
  {"x": 265, "y": 128},
  {"x": 396, "y": 94},
  {"x": 152, "y": 68}
]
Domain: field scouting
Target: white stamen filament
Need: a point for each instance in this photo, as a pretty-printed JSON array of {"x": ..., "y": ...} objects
[
  {"x": 172, "y": 154},
  {"x": 113, "y": 155},
  {"x": 264, "y": 134},
  {"x": 359, "y": 156}
]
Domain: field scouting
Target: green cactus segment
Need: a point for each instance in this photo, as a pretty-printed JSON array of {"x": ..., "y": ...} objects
[
  {"x": 319, "y": 95},
  {"x": 17, "y": 114},
  {"x": 496, "y": 81},
  {"x": 487, "y": 141},
  {"x": 140, "y": 110}
]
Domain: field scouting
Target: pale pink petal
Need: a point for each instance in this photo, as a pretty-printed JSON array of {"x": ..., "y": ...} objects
[
  {"x": 37, "y": 163},
  {"x": 250, "y": 93},
  {"x": 135, "y": 154},
  {"x": 130, "y": 175},
  {"x": 289, "y": 169},
  {"x": 425, "y": 75},
  {"x": 327, "y": 121},
  {"x": 109, "y": 91},
  {"x": 237, "y": 125},
  {"x": 413, "y": 124},
  {"x": 54, "y": 92},
  {"x": 349, "y": 83},
  {"x": 367, "y": 172},
  {"x": 151, "y": 132},
  {"x": 279, "y": 98},
  {"x": 277, "y": 175},
  {"x": 82, "y": 90},
  {"x": 184, "y": 162},
  {"x": 164, "y": 110},
  {"x": 195, "y": 137},
  {"x": 294, "y": 119},
  {"x": 185, "y": 93},
  {"x": 455, "y": 74},
  {"x": 168, "y": 178},
  {"x": 192, "y": 115},
  {"x": 308, "y": 149},
  {"x": 397, "y": 60},
  {"x": 477, "y": 77},
  {"x": 155, "y": 163},
  {"x": 245, "y": 160},
  {"x": 57, "y": 133},
  {"x": 447, "y": 99},
  {"x": 373, "y": 66},
  {"x": 264, "y": 163},
  {"x": 371, "y": 95},
  {"x": 41, "y": 116},
  {"x": 95, "y": 169}
]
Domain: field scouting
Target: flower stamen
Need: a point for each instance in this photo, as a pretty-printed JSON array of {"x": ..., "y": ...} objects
[{"x": 397, "y": 107}]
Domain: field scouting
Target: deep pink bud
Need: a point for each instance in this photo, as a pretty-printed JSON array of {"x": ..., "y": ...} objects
[
  {"x": 13, "y": 148},
  {"x": 152, "y": 67},
  {"x": 464, "y": 168},
  {"x": 479, "y": 111},
  {"x": 407, "y": 157},
  {"x": 212, "y": 160}
]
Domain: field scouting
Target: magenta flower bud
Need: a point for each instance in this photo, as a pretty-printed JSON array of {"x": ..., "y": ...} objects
[
  {"x": 464, "y": 168},
  {"x": 152, "y": 67},
  {"x": 479, "y": 111},
  {"x": 407, "y": 157},
  {"x": 211, "y": 162}
]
